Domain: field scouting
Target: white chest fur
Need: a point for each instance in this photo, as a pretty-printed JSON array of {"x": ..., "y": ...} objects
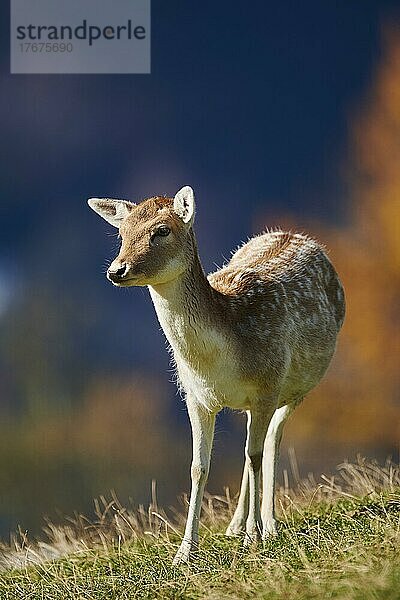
[{"x": 206, "y": 364}]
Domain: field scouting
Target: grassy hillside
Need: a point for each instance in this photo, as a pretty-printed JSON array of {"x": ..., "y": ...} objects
[{"x": 338, "y": 539}]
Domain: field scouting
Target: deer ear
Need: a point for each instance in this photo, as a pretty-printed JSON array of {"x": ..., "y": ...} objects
[
  {"x": 184, "y": 205},
  {"x": 113, "y": 211}
]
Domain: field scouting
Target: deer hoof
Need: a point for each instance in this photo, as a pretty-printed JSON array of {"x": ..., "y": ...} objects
[{"x": 184, "y": 554}]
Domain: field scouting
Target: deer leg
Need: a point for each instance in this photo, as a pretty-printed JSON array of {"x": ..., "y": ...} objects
[
  {"x": 269, "y": 467},
  {"x": 237, "y": 526},
  {"x": 202, "y": 423},
  {"x": 257, "y": 426}
]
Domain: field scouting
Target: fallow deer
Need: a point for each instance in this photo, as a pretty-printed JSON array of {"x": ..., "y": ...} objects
[{"x": 256, "y": 335}]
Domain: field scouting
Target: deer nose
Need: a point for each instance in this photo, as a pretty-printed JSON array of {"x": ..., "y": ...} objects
[{"x": 116, "y": 272}]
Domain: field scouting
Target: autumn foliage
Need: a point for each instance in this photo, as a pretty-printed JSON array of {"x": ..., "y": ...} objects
[{"x": 357, "y": 406}]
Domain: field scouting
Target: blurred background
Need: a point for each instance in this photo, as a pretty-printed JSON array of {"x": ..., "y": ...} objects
[{"x": 277, "y": 113}]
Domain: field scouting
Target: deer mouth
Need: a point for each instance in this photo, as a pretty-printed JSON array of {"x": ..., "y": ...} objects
[{"x": 128, "y": 282}]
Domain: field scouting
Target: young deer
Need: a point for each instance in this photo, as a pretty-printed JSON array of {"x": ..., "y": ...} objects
[{"x": 256, "y": 335}]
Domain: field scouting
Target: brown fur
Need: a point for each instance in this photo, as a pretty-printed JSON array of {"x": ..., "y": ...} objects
[
  {"x": 279, "y": 289},
  {"x": 257, "y": 334}
]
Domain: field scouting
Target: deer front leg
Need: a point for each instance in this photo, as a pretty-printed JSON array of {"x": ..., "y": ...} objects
[
  {"x": 257, "y": 426},
  {"x": 202, "y": 423},
  {"x": 237, "y": 526}
]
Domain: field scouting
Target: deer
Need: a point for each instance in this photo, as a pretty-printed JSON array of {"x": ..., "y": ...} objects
[{"x": 256, "y": 336}]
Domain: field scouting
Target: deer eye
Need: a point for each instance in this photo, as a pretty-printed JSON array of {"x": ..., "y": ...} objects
[{"x": 162, "y": 231}]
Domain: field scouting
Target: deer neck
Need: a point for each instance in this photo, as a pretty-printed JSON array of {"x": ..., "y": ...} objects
[{"x": 184, "y": 309}]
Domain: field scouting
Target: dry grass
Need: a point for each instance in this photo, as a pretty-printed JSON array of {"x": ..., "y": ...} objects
[{"x": 338, "y": 538}]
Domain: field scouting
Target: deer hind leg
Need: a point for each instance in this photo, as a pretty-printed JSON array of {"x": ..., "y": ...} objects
[
  {"x": 269, "y": 467},
  {"x": 237, "y": 526},
  {"x": 257, "y": 427}
]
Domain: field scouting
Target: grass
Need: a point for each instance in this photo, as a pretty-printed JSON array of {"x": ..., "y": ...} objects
[{"x": 338, "y": 539}]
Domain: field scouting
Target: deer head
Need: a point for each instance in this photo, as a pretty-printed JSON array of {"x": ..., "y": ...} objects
[{"x": 156, "y": 237}]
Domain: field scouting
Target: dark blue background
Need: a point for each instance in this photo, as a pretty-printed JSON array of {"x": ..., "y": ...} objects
[{"x": 249, "y": 103}]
